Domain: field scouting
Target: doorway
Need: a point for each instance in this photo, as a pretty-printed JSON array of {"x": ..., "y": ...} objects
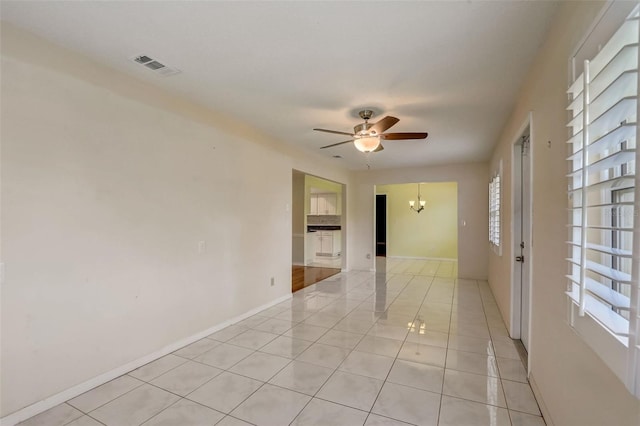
[
  {"x": 521, "y": 237},
  {"x": 317, "y": 206},
  {"x": 381, "y": 225},
  {"x": 416, "y": 228}
]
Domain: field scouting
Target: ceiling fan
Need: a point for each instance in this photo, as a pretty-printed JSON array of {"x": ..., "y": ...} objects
[{"x": 366, "y": 136}]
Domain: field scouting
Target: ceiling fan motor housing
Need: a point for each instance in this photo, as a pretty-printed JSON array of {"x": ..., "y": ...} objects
[
  {"x": 366, "y": 114},
  {"x": 362, "y": 129}
]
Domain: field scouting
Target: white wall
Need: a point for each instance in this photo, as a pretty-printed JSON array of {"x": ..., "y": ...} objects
[
  {"x": 472, "y": 179},
  {"x": 108, "y": 187},
  {"x": 575, "y": 386}
]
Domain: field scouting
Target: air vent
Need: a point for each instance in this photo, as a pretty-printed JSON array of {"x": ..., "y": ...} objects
[{"x": 154, "y": 65}]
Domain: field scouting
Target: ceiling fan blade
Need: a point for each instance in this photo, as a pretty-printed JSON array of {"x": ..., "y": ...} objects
[
  {"x": 383, "y": 124},
  {"x": 399, "y": 136},
  {"x": 336, "y": 144},
  {"x": 334, "y": 131},
  {"x": 379, "y": 148}
]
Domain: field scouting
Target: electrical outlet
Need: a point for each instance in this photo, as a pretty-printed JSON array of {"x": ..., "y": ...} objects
[
  {"x": 368, "y": 255},
  {"x": 273, "y": 281},
  {"x": 202, "y": 246}
]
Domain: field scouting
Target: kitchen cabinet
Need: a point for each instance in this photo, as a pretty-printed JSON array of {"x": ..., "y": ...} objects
[
  {"x": 328, "y": 243},
  {"x": 323, "y": 204}
]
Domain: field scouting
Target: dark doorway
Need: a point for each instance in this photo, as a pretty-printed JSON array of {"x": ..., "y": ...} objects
[{"x": 381, "y": 225}]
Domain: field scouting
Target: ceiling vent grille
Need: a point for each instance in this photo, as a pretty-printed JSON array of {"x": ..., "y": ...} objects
[{"x": 155, "y": 65}]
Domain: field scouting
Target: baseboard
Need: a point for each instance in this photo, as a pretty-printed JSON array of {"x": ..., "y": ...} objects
[
  {"x": 541, "y": 404},
  {"x": 473, "y": 279},
  {"x": 50, "y": 402},
  {"x": 447, "y": 259}
]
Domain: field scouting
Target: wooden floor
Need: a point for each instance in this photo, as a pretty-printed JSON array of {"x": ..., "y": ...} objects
[{"x": 302, "y": 276}]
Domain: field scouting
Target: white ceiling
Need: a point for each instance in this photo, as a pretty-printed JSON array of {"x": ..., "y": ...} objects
[{"x": 451, "y": 68}]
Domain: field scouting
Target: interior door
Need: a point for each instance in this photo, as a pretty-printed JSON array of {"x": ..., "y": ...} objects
[
  {"x": 522, "y": 233},
  {"x": 381, "y": 224}
]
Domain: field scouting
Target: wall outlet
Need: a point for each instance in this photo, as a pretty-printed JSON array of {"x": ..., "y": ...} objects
[
  {"x": 368, "y": 255},
  {"x": 202, "y": 246},
  {"x": 273, "y": 281}
]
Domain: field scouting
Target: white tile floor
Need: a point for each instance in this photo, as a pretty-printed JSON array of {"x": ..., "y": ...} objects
[
  {"x": 327, "y": 261},
  {"x": 412, "y": 345}
]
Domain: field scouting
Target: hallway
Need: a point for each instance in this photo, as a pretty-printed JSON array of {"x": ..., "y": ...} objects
[{"x": 412, "y": 345}]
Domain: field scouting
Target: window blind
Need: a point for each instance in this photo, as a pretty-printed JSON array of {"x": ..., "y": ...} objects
[{"x": 603, "y": 257}]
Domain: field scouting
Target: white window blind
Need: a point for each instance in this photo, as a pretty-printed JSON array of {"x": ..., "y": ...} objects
[
  {"x": 603, "y": 189},
  {"x": 494, "y": 211}
]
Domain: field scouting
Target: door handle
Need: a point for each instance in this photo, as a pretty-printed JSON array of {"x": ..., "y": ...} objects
[{"x": 520, "y": 259}]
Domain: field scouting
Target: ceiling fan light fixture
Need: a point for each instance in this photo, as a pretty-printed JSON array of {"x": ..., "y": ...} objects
[
  {"x": 367, "y": 143},
  {"x": 366, "y": 137}
]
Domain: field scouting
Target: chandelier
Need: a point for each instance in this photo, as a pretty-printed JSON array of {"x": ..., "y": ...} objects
[{"x": 421, "y": 203}]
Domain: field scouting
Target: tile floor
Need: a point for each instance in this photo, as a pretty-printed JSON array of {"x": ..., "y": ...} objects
[
  {"x": 410, "y": 345},
  {"x": 327, "y": 261}
]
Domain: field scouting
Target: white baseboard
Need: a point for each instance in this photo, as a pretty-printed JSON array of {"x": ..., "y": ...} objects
[
  {"x": 473, "y": 278},
  {"x": 543, "y": 407},
  {"x": 50, "y": 402},
  {"x": 447, "y": 259}
]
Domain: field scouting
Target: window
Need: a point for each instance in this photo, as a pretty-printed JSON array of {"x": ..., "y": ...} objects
[
  {"x": 494, "y": 211},
  {"x": 604, "y": 266}
]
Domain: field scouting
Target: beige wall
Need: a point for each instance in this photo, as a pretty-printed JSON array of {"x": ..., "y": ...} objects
[
  {"x": 109, "y": 185},
  {"x": 432, "y": 233},
  {"x": 128, "y": 219},
  {"x": 324, "y": 186},
  {"x": 473, "y": 240},
  {"x": 575, "y": 385}
]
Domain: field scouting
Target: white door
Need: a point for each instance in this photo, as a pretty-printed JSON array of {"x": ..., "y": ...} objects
[{"x": 522, "y": 231}]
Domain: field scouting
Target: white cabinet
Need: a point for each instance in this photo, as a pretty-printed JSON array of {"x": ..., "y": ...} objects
[
  {"x": 328, "y": 243},
  {"x": 323, "y": 204}
]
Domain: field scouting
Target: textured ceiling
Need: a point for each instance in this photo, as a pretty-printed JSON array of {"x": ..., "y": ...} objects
[{"x": 450, "y": 68}]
